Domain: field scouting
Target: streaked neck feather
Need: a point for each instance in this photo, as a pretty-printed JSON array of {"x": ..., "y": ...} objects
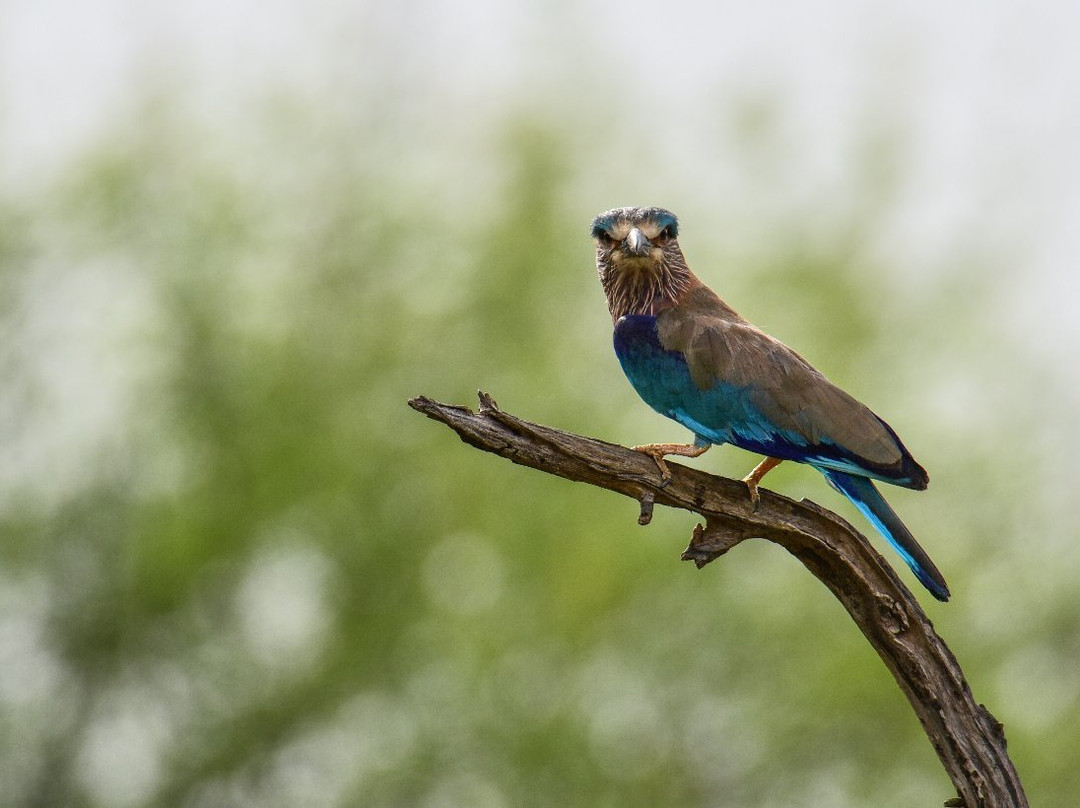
[{"x": 646, "y": 290}]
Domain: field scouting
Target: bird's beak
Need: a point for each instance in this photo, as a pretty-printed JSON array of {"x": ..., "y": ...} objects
[{"x": 636, "y": 243}]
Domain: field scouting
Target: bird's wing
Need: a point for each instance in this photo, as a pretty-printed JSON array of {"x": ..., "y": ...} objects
[{"x": 793, "y": 399}]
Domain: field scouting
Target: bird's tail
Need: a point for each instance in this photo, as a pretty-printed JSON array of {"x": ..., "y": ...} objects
[{"x": 865, "y": 496}]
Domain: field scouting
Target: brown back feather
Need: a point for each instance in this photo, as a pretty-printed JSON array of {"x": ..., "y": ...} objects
[{"x": 719, "y": 345}]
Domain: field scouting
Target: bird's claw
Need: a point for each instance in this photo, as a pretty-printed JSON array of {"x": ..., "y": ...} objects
[
  {"x": 658, "y": 451},
  {"x": 658, "y": 457},
  {"x": 754, "y": 477},
  {"x": 755, "y": 498}
]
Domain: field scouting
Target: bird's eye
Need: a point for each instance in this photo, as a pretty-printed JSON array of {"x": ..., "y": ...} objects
[
  {"x": 663, "y": 236},
  {"x": 605, "y": 238}
]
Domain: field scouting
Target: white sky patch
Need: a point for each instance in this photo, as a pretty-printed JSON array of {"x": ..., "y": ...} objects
[
  {"x": 281, "y": 605},
  {"x": 119, "y": 761},
  {"x": 981, "y": 103},
  {"x": 81, "y": 369}
]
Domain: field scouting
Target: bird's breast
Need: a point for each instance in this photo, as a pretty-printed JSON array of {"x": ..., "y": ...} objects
[{"x": 663, "y": 379}]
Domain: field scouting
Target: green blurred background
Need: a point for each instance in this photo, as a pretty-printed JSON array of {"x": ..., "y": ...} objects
[{"x": 236, "y": 569}]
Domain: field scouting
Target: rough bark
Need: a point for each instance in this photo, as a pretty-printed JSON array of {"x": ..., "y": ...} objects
[{"x": 969, "y": 741}]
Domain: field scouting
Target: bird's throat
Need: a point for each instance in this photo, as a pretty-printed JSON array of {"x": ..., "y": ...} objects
[{"x": 633, "y": 288}]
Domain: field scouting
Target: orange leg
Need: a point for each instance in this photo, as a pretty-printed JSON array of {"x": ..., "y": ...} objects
[
  {"x": 657, "y": 451},
  {"x": 754, "y": 477}
]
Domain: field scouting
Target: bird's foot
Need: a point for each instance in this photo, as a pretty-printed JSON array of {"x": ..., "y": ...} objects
[
  {"x": 751, "y": 484},
  {"x": 655, "y": 451},
  {"x": 658, "y": 451},
  {"x": 754, "y": 477}
]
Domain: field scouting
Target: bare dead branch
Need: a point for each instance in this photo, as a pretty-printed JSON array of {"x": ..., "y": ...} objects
[{"x": 969, "y": 741}]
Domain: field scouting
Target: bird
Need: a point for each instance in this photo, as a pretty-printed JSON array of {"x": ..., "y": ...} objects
[{"x": 694, "y": 359}]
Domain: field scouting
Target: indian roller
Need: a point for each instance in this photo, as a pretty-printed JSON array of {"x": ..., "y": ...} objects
[{"x": 692, "y": 358}]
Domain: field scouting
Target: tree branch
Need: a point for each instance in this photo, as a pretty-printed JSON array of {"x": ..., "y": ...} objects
[{"x": 969, "y": 741}]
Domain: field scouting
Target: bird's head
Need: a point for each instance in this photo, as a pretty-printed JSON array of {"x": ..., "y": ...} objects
[
  {"x": 638, "y": 258},
  {"x": 634, "y": 238}
]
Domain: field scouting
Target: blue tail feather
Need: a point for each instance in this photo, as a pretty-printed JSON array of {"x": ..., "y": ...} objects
[{"x": 865, "y": 496}]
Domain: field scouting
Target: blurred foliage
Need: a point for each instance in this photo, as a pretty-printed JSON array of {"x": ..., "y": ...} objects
[{"x": 266, "y": 581}]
